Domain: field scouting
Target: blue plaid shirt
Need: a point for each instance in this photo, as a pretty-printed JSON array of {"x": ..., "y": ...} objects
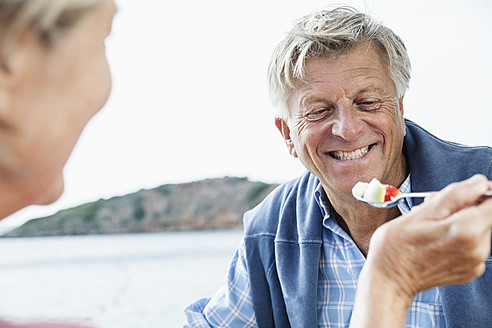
[{"x": 340, "y": 265}]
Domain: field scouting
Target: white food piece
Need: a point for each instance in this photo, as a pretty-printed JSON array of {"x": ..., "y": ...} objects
[{"x": 359, "y": 189}]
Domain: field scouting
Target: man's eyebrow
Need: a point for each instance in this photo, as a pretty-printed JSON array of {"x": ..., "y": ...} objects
[
  {"x": 369, "y": 89},
  {"x": 311, "y": 99}
]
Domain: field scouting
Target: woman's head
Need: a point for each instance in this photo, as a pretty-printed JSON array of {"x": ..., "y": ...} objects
[{"x": 54, "y": 77}]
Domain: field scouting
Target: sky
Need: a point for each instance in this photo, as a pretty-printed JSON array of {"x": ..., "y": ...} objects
[{"x": 190, "y": 100}]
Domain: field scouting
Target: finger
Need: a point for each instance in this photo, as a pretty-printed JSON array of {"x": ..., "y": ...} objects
[
  {"x": 429, "y": 197},
  {"x": 470, "y": 229},
  {"x": 486, "y": 205},
  {"x": 484, "y": 198},
  {"x": 457, "y": 196},
  {"x": 433, "y": 194}
]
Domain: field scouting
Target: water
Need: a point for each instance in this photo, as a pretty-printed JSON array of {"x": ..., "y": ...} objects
[{"x": 130, "y": 280}]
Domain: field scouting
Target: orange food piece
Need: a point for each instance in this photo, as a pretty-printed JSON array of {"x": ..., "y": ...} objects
[{"x": 391, "y": 191}]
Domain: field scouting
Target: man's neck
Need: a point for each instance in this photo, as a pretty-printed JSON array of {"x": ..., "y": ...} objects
[
  {"x": 360, "y": 220},
  {"x": 360, "y": 225}
]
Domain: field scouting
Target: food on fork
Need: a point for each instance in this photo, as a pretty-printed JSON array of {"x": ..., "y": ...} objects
[{"x": 375, "y": 191}]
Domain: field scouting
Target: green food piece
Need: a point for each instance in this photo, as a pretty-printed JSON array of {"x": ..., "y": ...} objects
[{"x": 375, "y": 191}]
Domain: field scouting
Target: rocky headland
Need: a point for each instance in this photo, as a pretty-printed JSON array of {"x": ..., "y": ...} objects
[{"x": 202, "y": 205}]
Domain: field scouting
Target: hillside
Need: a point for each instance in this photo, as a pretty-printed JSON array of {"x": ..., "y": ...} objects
[{"x": 208, "y": 204}]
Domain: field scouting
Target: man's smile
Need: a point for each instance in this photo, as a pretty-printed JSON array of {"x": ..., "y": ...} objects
[{"x": 350, "y": 155}]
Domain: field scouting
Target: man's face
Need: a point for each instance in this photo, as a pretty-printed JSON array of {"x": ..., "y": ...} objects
[{"x": 346, "y": 122}]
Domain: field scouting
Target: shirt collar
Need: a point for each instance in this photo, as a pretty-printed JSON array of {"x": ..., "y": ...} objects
[{"x": 407, "y": 203}]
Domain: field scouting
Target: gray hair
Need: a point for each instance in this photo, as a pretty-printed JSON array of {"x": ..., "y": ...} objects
[
  {"x": 49, "y": 18},
  {"x": 332, "y": 33}
]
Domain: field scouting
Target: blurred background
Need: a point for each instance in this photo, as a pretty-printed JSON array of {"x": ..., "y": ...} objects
[
  {"x": 189, "y": 98},
  {"x": 189, "y": 102}
]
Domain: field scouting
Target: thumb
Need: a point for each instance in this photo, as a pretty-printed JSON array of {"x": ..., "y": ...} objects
[{"x": 457, "y": 196}]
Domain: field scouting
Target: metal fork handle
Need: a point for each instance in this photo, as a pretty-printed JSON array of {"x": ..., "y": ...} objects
[
  {"x": 415, "y": 194},
  {"x": 425, "y": 194}
]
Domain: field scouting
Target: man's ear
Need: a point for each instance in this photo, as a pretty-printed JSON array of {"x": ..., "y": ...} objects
[{"x": 284, "y": 129}]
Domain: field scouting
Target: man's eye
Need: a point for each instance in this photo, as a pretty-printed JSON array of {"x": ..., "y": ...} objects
[
  {"x": 318, "y": 115},
  {"x": 368, "y": 105}
]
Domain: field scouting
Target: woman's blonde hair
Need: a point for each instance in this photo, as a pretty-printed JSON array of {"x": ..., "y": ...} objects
[{"x": 49, "y": 18}]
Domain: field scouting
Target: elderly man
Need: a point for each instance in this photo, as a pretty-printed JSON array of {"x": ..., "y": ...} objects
[{"x": 338, "y": 81}]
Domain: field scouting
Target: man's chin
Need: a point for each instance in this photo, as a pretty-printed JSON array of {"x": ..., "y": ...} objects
[{"x": 345, "y": 185}]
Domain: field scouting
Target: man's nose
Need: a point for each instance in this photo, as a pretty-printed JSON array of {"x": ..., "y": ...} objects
[{"x": 347, "y": 124}]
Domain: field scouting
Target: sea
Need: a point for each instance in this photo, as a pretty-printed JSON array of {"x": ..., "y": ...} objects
[{"x": 109, "y": 281}]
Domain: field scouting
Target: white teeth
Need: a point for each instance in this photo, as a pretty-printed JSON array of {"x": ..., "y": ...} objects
[{"x": 350, "y": 155}]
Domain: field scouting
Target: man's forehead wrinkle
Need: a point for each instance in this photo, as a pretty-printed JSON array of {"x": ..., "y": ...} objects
[
  {"x": 310, "y": 94},
  {"x": 324, "y": 76}
]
